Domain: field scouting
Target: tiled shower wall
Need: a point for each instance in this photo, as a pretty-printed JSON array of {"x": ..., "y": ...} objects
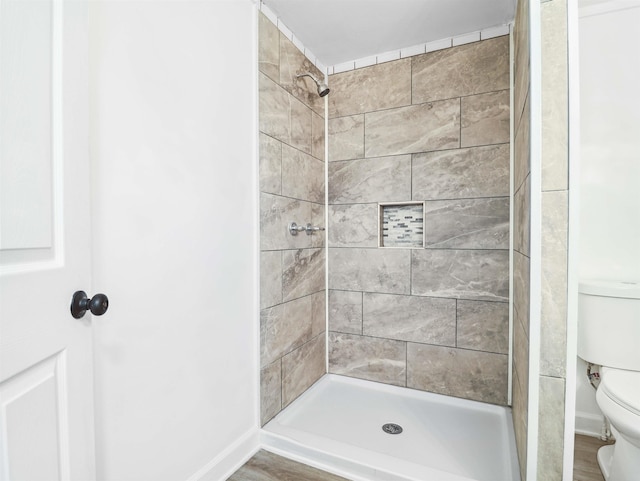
[
  {"x": 292, "y": 268},
  {"x": 433, "y": 128},
  {"x": 521, "y": 238}
]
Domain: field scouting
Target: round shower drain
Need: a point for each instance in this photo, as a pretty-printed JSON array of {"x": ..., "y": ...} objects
[{"x": 391, "y": 428}]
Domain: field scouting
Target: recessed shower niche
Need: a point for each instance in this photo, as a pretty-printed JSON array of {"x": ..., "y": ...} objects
[{"x": 401, "y": 224}]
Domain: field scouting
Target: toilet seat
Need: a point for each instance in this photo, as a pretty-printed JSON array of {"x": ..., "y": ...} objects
[{"x": 622, "y": 387}]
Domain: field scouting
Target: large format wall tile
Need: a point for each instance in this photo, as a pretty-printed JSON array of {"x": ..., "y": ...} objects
[
  {"x": 270, "y": 391},
  {"x": 345, "y": 311},
  {"x": 555, "y": 172},
  {"x": 293, "y": 62},
  {"x": 521, "y": 217},
  {"x": 268, "y": 48},
  {"x": 461, "y": 173},
  {"x": 553, "y": 312},
  {"x": 485, "y": 119},
  {"x": 416, "y": 128},
  {"x": 372, "y": 270},
  {"x": 302, "y": 176},
  {"x": 522, "y": 145},
  {"x": 291, "y": 318},
  {"x": 483, "y": 326},
  {"x": 467, "y": 223},
  {"x": 460, "y": 71},
  {"x": 270, "y": 165},
  {"x": 346, "y": 138},
  {"x": 551, "y": 428},
  {"x": 353, "y": 225},
  {"x": 521, "y": 265},
  {"x": 302, "y": 367},
  {"x": 446, "y": 370},
  {"x": 380, "y": 360},
  {"x": 270, "y": 278},
  {"x": 462, "y": 274},
  {"x": 382, "y": 86},
  {"x": 418, "y": 319},
  {"x": 276, "y": 213},
  {"x": 302, "y": 272},
  {"x": 370, "y": 180},
  {"x": 317, "y": 136},
  {"x": 274, "y": 110}
]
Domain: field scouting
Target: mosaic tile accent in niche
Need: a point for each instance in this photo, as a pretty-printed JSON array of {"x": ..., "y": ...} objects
[{"x": 402, "y": 225}]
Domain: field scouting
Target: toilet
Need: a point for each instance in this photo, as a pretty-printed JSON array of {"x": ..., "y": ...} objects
[{"x": 609, "y": 335}]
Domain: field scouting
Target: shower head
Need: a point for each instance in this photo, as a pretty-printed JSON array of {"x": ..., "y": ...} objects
[{"x": 323, "y": 88}]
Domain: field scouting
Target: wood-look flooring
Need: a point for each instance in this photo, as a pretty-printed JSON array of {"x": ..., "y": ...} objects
[
  {"x": 585, "y": 463},
  {"x": 266, "y": 466}
]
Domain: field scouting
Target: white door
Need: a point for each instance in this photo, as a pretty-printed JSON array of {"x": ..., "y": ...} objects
[{"x": 46, "y": 383}]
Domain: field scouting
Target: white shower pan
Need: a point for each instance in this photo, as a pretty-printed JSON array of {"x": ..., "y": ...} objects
[{"x": 337, "y": 425}]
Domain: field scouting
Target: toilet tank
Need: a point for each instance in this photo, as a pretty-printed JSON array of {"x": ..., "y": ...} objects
[{"x": 609, "y": 323}]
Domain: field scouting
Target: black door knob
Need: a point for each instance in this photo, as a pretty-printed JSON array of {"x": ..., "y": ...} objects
[{"x": 80, "y": 304}]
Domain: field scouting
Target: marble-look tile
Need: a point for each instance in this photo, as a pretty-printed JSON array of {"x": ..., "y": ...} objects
[
  {"x": 274, "y": 110},
  {"x": 551, "y": 428},
  {"x": 521, "y": 64},
  {"x": 467, "y": 223},
  {"x": 481, "y": 376},
  {"x": 483, "y": 326},
  {"x": 346, "y": 138},
  {"x": 318, "y": 220},
  {"x": 519, "y": 413},
  {"x": 317, "y": 136},
  {"x": 353, "y": 225},
  {"x": 266, "y": 466},
  {"x": 302, "y": 176},
  {"x": 270, "y": 278},
  {"x": 555, "y": 122},
  {"x": 521, "y": 289},
  {"x": 521, "y": 217},
  {"x": 521, "y": 147},
  {"x": 485, "y": 119},
  {"x": 383, "y": 179},
  {"x": 276, "y": 213},
  {"x": 462, "y": 274},
  {"x": 553, "y": 332},
  {"x": 293, "y": 62},
  {"x": 302, "y": 367},
  {"x": 268, "y": 48},
  {"x": 382, "y": 86},
  {"x": 415, "y": 128},
  {"x": 409, "y": 318},
  {"x": 345, "y": 311},
  {"x": 318, "y": 313},
  {"x": 460, "y": 71},
  {"x": 461, "y": 173},
  {"x": 372, "y": 270},
  {"x": 302, "y": 272},
  {"x": 369, "y": 358},
  {"x": 270, "y": 165},
  {"x": 521, "y": 357},
  {"x": 270, "y": 391},
  {"x": 282, "y": 116},
  {"x": 283, "y": 328}
]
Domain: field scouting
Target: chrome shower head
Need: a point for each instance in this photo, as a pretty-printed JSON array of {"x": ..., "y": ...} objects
[{"x": 323, "y": 88}]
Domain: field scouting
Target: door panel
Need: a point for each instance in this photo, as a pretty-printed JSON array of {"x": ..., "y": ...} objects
[{"x": 46, "y": 383}]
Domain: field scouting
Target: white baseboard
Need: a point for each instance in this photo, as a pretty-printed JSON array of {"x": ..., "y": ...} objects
[
  {"x": 229, "y": 460},
  {"x": 589, "y": 424}
]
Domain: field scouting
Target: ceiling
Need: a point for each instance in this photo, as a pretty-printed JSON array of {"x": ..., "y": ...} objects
[{"x": 337, "y": 31}]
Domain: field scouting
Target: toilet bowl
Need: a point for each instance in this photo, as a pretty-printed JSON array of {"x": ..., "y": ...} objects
[
  {"x": 608, "y": 334},
  {"x": 619, "y": 398}
]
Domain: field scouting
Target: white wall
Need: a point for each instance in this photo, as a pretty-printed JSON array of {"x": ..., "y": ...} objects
[
  {"x": 175, "y": 234},
  {"x": 610, "y": 150},
  {"x": 610, "y": 159}
]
